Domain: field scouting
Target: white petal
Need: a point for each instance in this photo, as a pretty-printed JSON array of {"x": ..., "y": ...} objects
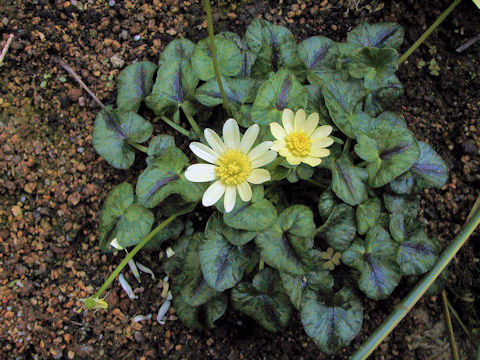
[
  {"x": 322, "y": 131},
  {"x": 259, "y": 176},
  {"x": 213, "y": 193},
  {"x": 264, "y": 159},
  {"x": 277, "y": 131},
  {"x": 229, "y": 198},
  {"x": 287, "y": 120},
  {"x": 231, "y": 134},
  {"x": 312, "y": 122},
  {"x": 215, "y": 141},
  {"x": 312, "y": 161},
  {"x": 319, "y": 152},
  {"x": 201, "y": 173},
  {"x": 204, "y": 152},
  {"x": 278, "y": 145},
  {"x": 245, "y": 191},
  {"x": 299, "y": 122},
  {"x": 249, "y": 138},
  {"x": 322, "y": 142},
  {"x": 293, "y": 160},
  {"x": 258, "y": 150}
]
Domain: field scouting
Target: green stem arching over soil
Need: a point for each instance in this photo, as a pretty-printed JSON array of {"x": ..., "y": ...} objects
[
  {"x": 138, "y": 146},
  {"x": 427, "y": 33},
  {"x": 422, "y": 286},
  {"x": 130, "y": 256},
  {"x": 193, "y": 124},
  {"x": 213, "y": 50},
  {"x": 174, "y": 126}
]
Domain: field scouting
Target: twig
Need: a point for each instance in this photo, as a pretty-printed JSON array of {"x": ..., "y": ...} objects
[
  {"x": 5, "y": 48},
  {"x": 77, "y": 79},
  {"x": 448, "y": 320},
  {"x": 462, "y": 325},
  {"x": 468, "y": 43}
]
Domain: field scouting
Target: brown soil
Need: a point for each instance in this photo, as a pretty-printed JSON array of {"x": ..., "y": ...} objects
[{"x": 53, "y": 184}]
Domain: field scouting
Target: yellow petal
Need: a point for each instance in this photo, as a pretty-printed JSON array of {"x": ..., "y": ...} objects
[
  {"x": 259, "y": 176},
  {"x": 245, "y": 191},
  {"x": 299, "y": 123},
  {"x": 312, "y": 161},
  {"x": 287, "y": 120},
  {"x": 312, "y": 122},
  {"x": 277, "y": 131},
  {"x": 321, "y": 132},
  {"x": 319, "y": 152}
]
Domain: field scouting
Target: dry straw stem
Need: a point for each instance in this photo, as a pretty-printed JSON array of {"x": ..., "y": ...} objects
[{"x": 5, "y": 48}]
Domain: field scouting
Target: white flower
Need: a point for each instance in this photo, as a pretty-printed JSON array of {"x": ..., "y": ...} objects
[
  {"x": 232, "y": 164},
  {"x": 300, "y": 140}
]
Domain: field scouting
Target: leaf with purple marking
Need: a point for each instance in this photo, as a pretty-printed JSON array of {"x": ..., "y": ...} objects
[
  {"x": 281, "y": 91},
  {"x": 374, "y": 66},
  {"x": 389, "y": 150},
  {"x": 248, "y": 56},
  {"x": 417, "y": 253},
  {"x": 134, "y": 84},
  {"x": 287, "y": 245},
  {"x": 368, "y": 214},
  {"x": 375, "y": 259},
  {"x": 339, "y": 230},
  {"x": 384, "y": 97},
  {"x": 319, "y": 54},
  {"x": 381, "y": 35},
  {"x": 164, "y": 176},
  {"x": 275, "y": 48},
  {"x": 113, "y": 131},
  {"x": 429, "y": 169},
  {"x": 123, "y": 219}
]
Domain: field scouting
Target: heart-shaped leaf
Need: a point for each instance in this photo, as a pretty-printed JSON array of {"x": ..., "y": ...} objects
[
  {"x": 344, "y": 100},
  {"x": 429, "y": 169},
  {"x": 295, "y": 286},
  {"x": 287, "y": 244},
  {"x": 224, "y": 264},
  {"x": 234, "y": 236},
  {"x": 375, "y": 259},
  {"x": 339, "y": 229},
  {"x": 216, "y": 307},
  {"x": 252, "y": 216},
  {"x": 405, "y": 205},
  {"x": 248, "y": 56},
  {"x": 381, "y": 35},
  {"x": 384, "y": 97},
  {"x": 164, "y": 176},
  {"x": 332, "y": 324},
  {"x": 279, "y": 92},
  {"x": 368, "y": 214},
  {"x": 275, "y": 48},
  {"x": 316, "y": 103},
  {"x": 374, "y": 65},
  {"x": 229, "y": 58},
  {"x": 264, "y": 300},
  {"x": 327, "y": 203},
  {"x": 113, "y": 131},
  {"x": 319, "y": 54},
  {"x": 134, "y": 84},
  {"x": 390, "y": 152},
  {"x": 417, "y": 253},
  {"x": 123, "y": 219}
]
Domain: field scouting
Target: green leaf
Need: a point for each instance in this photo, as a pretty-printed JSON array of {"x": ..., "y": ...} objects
[
  {"x": 374, "y": 65},
  {"x": 281, "y": 91},
  {"x": 216, "y": 307},
  {"x": 348, "y": 180},
  {"x": 404, "y": 184},
  {"x": 236, "y": 237},
  {"x": 248, "y": 56},
  {"x": 391, "y": 118},
  {"x": 134, "y": 83},
  {"x": 229, "y": 58},
  {"x": 176, "y": 80},
  {"x": 164, "y": 176},
  {"x": 368, "y": 214},
  {"x": 417, "y": 254},
  {"x": 429, "y": 169},
  {"x": 332, "y": 324},
  {"x": 295, "y": 286},
  {"x": 112, "y": 132},
  {"x": 186, "y": 312},
  {"x": 381, "y": 35},
  {"x": 405, "y": 205},
  {"x": 160, "y": 146},
  {"x": 316, "y": 103},
  {"x": 275, "y": 48},
  {"x": 194, "y": 289},
  {"x": 327, "y": 203},
  {"x": 339, "y": 229},
  {"x": 390, "y": 152},
  {"x": 264, "y": 300},
  {"x": 224, "y": 264},
  {"x": 384, "y": 97},
  {"x": 170, "y": 232},
  {"x": 287, "y": 244},
  {"x": 123, "y": 219},
  {"x": 374, "y": 258},
  {"x": 344, "y": 100},
  {"x": 319, "y": 54},
  {"x": 250, "y": 216}
]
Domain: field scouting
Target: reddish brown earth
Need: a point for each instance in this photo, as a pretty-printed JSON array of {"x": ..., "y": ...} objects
[{"x": 53, "y": 184}]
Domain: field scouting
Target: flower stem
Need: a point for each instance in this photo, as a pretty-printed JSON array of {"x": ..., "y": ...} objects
[
  {"x": 448, "y": 320},
  {"x": 131, "y": 254},
  {"x": 422, "y": 286},
  {"x": 193, "y": 124},
  {"x": 138, "y": 146},
  {"x": 314, "y": 182},
  {"x": 174, "y": 126},
  {"x": 213, "y": 50},
  {"x": 427, "y": 33}
]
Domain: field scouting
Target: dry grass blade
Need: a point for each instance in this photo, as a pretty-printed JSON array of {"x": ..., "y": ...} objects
[{"x": 5, "y": 48}]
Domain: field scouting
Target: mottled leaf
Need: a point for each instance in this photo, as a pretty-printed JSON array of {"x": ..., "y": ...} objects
[
  {"x": 339, "y": 229},
  {"x": 134, "y": 83},
  {"x": 381, "y": 35},
  {"x": 368, "y": 214},
  {"x": 319, "y": 55}
]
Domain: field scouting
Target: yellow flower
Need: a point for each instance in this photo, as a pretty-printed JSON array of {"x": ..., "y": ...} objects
[
  {"x": 477, "y": 2},
  {"x": 300, "y": 140},
  {"x": 232, "y": 164}
]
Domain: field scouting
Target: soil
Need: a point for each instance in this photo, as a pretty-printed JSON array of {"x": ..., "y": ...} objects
[{"x": 53, "y": 184}]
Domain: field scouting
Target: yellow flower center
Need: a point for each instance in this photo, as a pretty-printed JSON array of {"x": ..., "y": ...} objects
[
  {"x": 298, "y": 143},
  {"x": 233, "y": 167}
]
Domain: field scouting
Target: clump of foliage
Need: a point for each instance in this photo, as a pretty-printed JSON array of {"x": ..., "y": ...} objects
[{"x": 276, "y": 253}]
